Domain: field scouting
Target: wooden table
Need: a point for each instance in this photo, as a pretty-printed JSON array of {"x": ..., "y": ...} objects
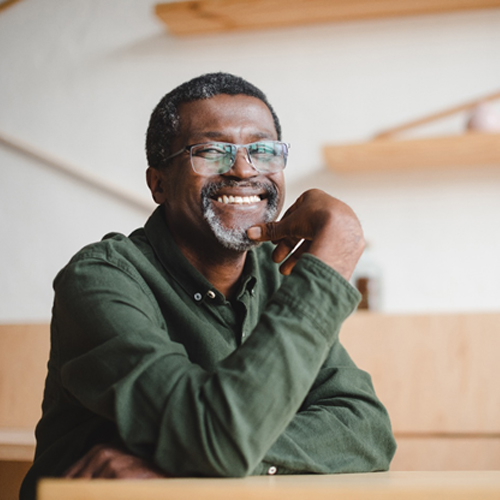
[{"x": 474, "y": 485}]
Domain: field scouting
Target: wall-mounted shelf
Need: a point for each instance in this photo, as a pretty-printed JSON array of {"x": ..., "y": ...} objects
[
  {"x": 213, "y": 16},
  {"x": 385, "y": 151},
  {"x": 472, "y": 148}
]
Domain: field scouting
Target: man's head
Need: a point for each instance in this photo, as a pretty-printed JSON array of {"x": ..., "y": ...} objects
[
  {"x": 215, "y": 206},
  {"x": 164, "y": 123}
]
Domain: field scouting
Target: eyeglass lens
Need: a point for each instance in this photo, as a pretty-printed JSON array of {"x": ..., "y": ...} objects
[{"x": 217, "y": 158}]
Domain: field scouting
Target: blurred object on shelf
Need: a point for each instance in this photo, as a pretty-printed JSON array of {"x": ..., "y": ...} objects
[
  {"x": 484, "y": 119},
  {"x": 367, "y": 278}
]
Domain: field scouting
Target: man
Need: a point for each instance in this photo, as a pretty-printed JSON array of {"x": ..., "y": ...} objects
[{"x": 181, "y": 350}]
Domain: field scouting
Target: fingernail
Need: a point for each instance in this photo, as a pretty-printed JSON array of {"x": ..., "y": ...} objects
[{"x": 254, "y": 233}]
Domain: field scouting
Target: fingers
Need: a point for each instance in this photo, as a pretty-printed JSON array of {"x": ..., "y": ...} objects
[
  {"x": 289, "y": 264},
  {"x": 264, "y": 232},
  {"x": 284, "y": 248},
  {"x": 103, "y": 461},
  {"x": 83, "y": 468}
]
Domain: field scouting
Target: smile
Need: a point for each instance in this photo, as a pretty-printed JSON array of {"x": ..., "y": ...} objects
[{"x": 240, "y": 200}]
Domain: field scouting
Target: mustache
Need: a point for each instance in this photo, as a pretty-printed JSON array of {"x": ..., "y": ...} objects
[{"x": 211, "y": 188}]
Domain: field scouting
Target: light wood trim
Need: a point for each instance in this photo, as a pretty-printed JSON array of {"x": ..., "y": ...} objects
[
  {"x": 375, "y": 486},
  {"x": 17, "y": 444},
  {"x": 437, "y": 374},
  {"x": 446, "y": 453},
  {"x": 213, "y": 16},
  {"x": 76, "y": 173},
  {"x": 473, "y": 148},
  {"x": 436, "y": 116}
]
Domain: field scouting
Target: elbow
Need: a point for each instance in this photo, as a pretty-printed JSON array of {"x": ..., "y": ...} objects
[
  {"x": 230, "y": 465},
  {"x": 386, "y": 451},
  {"x": 206, "y": 461},
  {"x": 383, "y": 447}
]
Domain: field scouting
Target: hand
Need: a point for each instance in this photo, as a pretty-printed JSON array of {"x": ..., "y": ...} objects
[
  {"x": 329, "y": 229},
  {"x": 109, "y": 462}
]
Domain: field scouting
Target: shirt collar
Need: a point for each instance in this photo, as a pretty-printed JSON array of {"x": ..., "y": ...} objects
[{"x": 188, "y": 277}]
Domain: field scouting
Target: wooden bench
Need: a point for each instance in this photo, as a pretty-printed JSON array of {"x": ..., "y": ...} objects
[{"x": 437, "y": 374}]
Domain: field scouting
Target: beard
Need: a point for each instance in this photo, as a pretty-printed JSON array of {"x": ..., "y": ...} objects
[{"x": 235, "y": 238}]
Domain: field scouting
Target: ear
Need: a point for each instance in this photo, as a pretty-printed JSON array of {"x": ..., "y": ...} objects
[{"x": 156, "y": 182}]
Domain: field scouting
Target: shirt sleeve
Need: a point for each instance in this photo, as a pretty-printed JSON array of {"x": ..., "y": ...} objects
[
  {"x": 117, "y": 360},
  {"x": 341, "y": 426}
]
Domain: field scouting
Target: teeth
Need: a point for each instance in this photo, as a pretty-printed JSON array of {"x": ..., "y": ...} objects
[{"x": 241, "y": 200}]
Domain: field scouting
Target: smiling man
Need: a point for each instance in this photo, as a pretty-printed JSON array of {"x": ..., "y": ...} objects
[{"x": 186, "y": 349}]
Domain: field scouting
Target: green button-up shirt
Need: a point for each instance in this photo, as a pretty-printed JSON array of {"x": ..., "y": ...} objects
[{"x": 147, "y": 353}]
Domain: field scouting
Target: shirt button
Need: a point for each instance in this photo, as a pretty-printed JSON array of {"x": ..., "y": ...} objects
[
  {"x": 198, "y": 296},
  {"x": 211, "y": 294},
  {"x": 243, "y": 334},
  {"x": 272, "y": 471}
]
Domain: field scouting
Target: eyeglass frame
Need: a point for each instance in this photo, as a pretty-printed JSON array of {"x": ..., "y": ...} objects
[{"x": 188, "y": 149}]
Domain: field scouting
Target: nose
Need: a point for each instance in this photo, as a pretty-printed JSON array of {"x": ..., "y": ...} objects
[{"x": 242, "y": 167}]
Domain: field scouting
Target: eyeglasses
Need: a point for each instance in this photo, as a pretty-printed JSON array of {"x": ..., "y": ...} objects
[{"x": 216, "y": 158}]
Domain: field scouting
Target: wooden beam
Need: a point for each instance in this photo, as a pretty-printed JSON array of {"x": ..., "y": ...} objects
[
  {"x": 76, "y": 173},
  {"x": 469, "y": 149},
  {"x": 212, "y": 16},
  {"x": 7, "y": 3}
]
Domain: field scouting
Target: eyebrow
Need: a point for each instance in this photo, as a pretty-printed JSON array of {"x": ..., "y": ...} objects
[{"x": 221, "y": 136}]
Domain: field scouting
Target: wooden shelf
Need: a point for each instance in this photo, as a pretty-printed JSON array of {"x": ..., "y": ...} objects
[
  {"x": 469, "y": 149},
  {"x": 213, "y": 16}
]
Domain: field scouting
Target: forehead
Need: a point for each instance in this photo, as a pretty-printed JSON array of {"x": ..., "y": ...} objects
[{"x": 223, "y": 115}]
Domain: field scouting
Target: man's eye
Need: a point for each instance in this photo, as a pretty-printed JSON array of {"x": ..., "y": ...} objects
[
  {"x": 210, "y": 152},
  {"x": 263, "y": 150}
]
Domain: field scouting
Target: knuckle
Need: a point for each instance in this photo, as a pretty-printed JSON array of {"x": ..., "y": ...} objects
[{"x": 271, "y": 230}]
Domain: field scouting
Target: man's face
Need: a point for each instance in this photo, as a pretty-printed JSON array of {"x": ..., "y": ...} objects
[{"x": 200, "y": 207}]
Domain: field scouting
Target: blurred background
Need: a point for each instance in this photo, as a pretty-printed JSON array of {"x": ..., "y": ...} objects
[{"x": 79, "y": 79}]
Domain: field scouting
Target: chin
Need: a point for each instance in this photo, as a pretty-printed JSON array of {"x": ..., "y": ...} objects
[{"x": 235, "y": 239}]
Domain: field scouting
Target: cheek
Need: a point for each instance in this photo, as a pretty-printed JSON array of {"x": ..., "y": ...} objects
[{"x": 279, "y": 181}]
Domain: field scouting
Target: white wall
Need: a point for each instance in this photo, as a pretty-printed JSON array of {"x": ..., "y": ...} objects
[{"x": 79, "y": 79}]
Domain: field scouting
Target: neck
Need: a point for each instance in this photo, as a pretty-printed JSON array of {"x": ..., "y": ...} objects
[
  {"x": 223, "y": 272},
  {"x": 220, "y": 266}
]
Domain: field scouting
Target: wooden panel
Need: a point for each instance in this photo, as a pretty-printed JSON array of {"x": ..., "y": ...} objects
[
  {"x": 24, "y": 351},
  {"x": 483, "y": 485},
  {"x": 209, "y": 16},
  {"x": 435, "y": 373},
  {"x": 11, "y": 477},
  {"x": 446, "y": 453},
  {"x": 435, "y": 152}
]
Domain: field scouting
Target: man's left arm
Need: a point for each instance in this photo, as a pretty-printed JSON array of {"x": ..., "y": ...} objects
[{"x": 340, "y": 427}]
